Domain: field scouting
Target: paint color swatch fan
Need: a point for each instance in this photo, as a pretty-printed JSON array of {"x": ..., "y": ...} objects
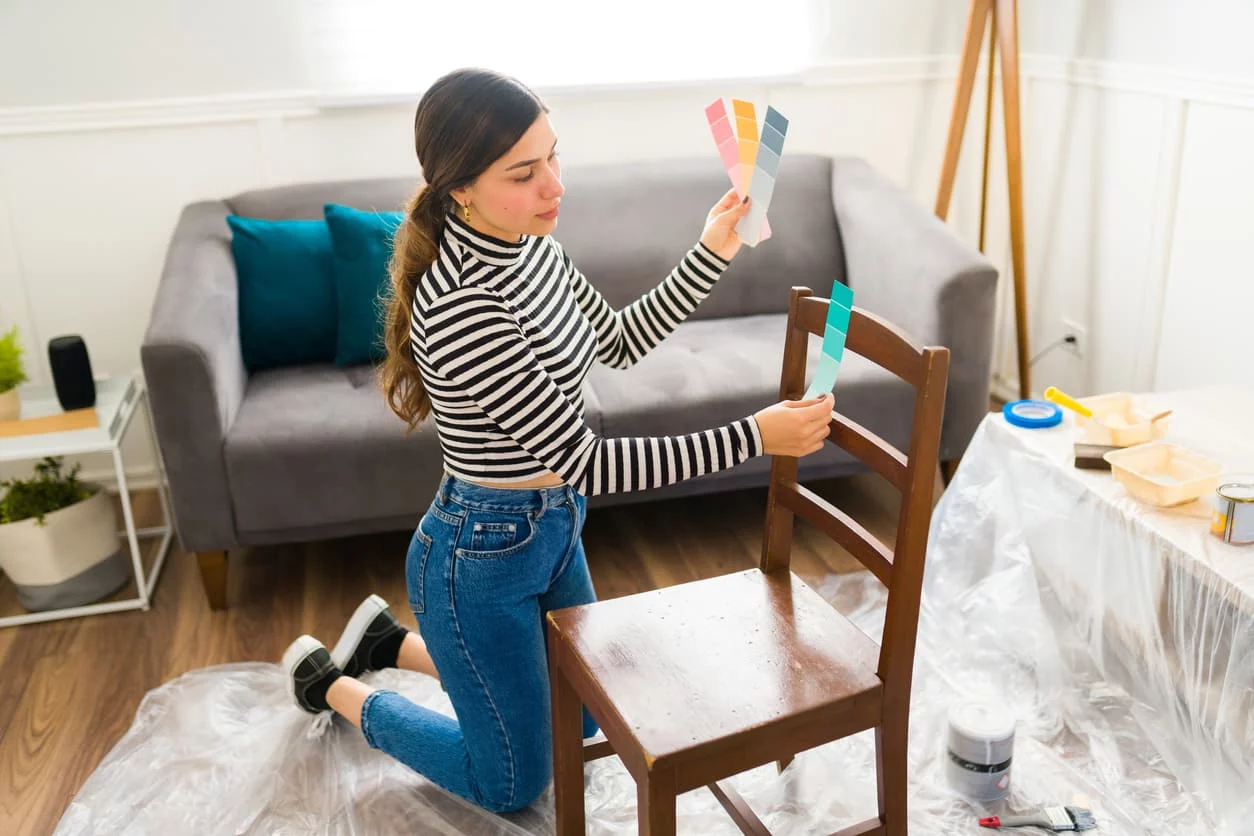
[
  {"x": 751, "y": 156},
  {"x": 837, "y": 327}
]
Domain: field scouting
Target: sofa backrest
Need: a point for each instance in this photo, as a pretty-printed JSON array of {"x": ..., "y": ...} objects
[
  {"x": 305, "y": 200},
  {"x": 626, "y": 225}
]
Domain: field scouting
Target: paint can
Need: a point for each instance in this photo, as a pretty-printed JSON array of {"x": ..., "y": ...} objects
[
  {"x": 1232, "y": 517},
  {"x": 979, "y": 751}
]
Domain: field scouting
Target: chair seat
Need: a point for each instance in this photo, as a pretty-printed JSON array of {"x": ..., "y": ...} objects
[{"x": 690, "y": 667}]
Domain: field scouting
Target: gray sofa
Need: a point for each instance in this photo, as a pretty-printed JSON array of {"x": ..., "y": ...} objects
[{"x": 310, "y": 452}]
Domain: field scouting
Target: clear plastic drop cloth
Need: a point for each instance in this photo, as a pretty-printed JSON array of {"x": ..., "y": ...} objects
[{"x": 1128, "y": 669}]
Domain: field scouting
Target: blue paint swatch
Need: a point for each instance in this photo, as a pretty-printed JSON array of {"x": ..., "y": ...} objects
[
  {"x": 768, "y": 161},
  {"x": 776, "y": 120},
  {"x": 839, "y": 309}
]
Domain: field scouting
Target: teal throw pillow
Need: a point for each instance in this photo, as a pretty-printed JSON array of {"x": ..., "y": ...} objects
[
  {"x": 287, "y": 312},
  {"x": 362, "y": 242}
]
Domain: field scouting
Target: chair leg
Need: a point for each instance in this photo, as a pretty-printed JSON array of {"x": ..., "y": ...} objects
[
  {"x": 655, "y": 801},
  {"x": 892, "y": 773},
  {"x": 568, "y": 755},
  {"x": 213, "y": 575}
]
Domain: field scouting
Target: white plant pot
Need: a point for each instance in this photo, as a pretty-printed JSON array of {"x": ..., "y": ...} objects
[
  {"x": 73, "y": 559},
  {"x": 10, "y": 405}
]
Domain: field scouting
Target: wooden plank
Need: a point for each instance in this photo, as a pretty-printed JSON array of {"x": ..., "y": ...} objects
[
  {"x": 869, "y": 336},
  {"x": 596, "y": 751},
  {"x": 871, "y": 450},
  {"x": 841, "y": 527},
  {"x": 75, "y": 419},
  {"x": 739, "y": 810},
  {"x": 870, "y": 827}
]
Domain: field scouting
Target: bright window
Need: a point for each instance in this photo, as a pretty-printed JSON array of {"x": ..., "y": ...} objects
[{"x": 380, "y": 47}]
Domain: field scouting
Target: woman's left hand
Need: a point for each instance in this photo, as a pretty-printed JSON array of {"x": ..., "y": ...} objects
[{"x": 720, "y": 226}]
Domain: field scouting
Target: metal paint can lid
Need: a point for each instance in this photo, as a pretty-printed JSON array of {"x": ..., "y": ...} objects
[
  {"x": 1237, "y": 491},
  {"x": 981, "y": 732},
  {"x": 1232, "y": 517}
]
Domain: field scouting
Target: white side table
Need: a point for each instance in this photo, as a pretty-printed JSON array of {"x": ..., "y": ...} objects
[{"x": 117, "y": 398}]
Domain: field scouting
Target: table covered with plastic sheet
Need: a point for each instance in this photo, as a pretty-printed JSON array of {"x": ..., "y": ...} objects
[
  {"x": 1120, "y": 638},
  {"x": 1159, "y": 607}
]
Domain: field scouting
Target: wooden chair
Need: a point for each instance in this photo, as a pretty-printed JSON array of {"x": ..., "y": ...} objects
[{"x": 697, "y": 682}]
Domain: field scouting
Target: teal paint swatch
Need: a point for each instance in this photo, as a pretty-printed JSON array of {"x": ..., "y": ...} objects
[{"x": 839, "y": 309}]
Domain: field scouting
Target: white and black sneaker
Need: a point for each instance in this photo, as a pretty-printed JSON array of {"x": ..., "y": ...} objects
[
  {"x": 310, "y": 673},
  {"x": 371, "y": 641}
]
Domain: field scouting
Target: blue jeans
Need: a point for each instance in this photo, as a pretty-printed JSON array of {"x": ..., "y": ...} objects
[{"x": 484, "y": 567}]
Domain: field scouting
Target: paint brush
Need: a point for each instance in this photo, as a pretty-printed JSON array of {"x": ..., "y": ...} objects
[{"x": 1056, "y": 819}]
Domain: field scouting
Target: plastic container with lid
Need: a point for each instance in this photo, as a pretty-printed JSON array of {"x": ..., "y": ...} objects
[{"x": 980, "y": 749}]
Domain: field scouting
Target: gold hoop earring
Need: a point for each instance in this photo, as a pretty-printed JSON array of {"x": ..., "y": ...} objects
[{"x": 466, "y": 212}]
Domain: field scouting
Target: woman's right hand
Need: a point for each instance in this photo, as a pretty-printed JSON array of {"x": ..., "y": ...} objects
[{"x": 795, "y": 428}]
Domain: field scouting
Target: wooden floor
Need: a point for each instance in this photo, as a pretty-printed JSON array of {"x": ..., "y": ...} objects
[{"x": 69, "y": 689}]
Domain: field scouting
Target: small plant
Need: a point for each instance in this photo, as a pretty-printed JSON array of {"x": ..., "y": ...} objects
[
  {"x": 49, "y": 491},
  {"x": 12, "y": 371}
]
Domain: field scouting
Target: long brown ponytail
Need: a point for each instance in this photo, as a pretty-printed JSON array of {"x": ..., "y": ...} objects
[
  {"x": 464, "y": 123},
  {"x": 416, "y": 245}
]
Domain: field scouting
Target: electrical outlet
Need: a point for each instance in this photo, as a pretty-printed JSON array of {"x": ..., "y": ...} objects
[{"x": 1076, "y": 338}]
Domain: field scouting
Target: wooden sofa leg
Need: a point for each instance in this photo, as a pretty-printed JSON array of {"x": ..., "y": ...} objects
[{"x": 213, "y": 576}]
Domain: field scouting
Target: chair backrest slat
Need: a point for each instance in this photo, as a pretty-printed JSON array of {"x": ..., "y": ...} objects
[
  {"x": 841, "y": 527},
  {"x": 926, "y": 369},
  {"x": 870, "y": 449},
  {"x": 870, "y": 336}
]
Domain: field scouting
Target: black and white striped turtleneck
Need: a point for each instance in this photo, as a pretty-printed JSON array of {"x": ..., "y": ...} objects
[{"x": 505, "y": 333}]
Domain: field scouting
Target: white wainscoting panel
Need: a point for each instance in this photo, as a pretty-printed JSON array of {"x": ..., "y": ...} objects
[
  {"x": 1090, "y": 193},
  {"x": 1208, "y": 307}
]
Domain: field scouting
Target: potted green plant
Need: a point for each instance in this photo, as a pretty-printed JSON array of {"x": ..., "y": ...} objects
[
  {"x": 12, "y": 373},
  {"x": 59, "y": 539}
]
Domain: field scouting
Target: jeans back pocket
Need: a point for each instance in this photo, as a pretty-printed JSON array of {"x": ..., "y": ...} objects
[
  {"x": 489, "y": 534},
  {"x": 493, "y": 536},
  {"x": 416, "y": 569}
]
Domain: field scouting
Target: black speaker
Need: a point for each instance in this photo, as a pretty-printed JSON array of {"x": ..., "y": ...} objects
[{"x": 71, "y": 372}]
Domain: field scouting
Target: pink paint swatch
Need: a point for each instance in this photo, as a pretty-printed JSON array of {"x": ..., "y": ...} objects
[{"x": 737, "y": 149}]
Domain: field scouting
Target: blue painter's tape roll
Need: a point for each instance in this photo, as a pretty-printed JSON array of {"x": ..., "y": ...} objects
[{"x": 1032, "y": 414}]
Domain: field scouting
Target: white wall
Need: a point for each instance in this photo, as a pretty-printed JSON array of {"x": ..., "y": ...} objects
[
  {"x": 76, "y": 52},
  {"x": 116, "y": 115},
  {"x": 1191, "y": 37}
]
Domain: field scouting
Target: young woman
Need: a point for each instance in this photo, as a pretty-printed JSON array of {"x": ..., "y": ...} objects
[{"x": 492, "y": 329}]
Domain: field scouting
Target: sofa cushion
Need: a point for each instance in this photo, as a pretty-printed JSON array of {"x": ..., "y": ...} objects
[
  {"x": 711, "y": 372},
  {"x": 286, "y": 291},
  {"x": 627, "y": 225},
  {"x": 362, "y": 242},
  {"x": 329, "y": 426}
]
